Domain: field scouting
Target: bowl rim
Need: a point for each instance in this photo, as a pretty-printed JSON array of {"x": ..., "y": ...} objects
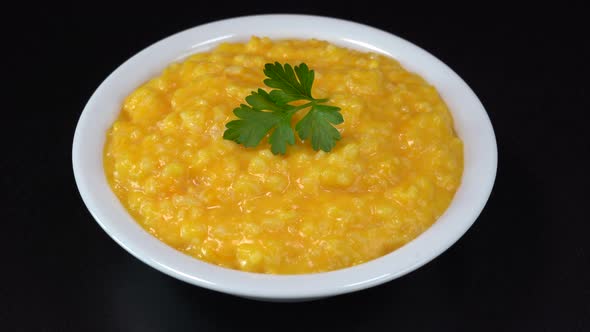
[{"x": 108, "y": 212}]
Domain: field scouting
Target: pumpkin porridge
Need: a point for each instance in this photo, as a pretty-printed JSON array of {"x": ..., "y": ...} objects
[{"x": 390, "y": 176}]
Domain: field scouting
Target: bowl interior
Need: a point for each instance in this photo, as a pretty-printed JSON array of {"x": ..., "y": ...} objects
[{"x": 471, "y": 123}]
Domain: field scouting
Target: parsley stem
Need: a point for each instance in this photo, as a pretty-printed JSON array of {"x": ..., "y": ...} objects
[{"x": 300, "y": 107}]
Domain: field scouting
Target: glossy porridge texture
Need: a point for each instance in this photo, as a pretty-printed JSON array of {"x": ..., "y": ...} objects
[{"x": 393, "y": 173}]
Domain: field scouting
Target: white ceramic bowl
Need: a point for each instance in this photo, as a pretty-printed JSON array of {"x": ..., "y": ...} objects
[{"x": 471, "y": 123}]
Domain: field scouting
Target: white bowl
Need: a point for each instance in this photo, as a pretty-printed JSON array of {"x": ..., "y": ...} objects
[{"x": 471, "y": 123}]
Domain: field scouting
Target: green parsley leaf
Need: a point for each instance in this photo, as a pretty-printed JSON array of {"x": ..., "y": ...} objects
[
  {"x": 290, "y": 88},
  {"x": 252, "y": 127},
  {"x": 268, "y": 112},
  {"x": 281, "y": 136},
  {"x": 255, "y": 123},
  {"x": 317, "y": 124}
]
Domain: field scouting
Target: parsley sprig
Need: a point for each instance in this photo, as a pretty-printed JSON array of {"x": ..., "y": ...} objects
[{"x": 271, "y": 111}]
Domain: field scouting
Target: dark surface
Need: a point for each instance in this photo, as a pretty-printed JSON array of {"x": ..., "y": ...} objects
[{"x": 523, "y": 266}]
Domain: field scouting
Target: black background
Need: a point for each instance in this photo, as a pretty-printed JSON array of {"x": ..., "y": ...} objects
[{"x": 523, "y": 266}]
